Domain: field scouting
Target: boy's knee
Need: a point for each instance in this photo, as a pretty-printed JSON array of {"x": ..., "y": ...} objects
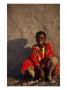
[
  {"x": 54, "y": 60},
  {"x": 32, "y": 73}
]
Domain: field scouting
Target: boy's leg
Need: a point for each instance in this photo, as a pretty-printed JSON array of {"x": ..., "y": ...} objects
[
  {"x": 48, "y": 69},
  {"x": 57, "y": 66},
  {"x": 40, "y": 72},
  {"x": 50, "y": 73},
  {"x": 32, "y": 72},
  {"x": 54, "y": 69}
]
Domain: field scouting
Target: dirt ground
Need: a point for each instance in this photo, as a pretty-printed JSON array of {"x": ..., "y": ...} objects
[{"x": 14, "y": 82}]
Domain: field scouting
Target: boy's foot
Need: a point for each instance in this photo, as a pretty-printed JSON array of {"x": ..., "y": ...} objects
[{"x": 53, "y": 81}]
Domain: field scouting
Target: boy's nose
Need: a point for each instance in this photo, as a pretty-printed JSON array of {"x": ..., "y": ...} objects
[{"x": 41, "y": 39}]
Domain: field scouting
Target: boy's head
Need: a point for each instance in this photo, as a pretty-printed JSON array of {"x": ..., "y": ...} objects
[{"x": 40, "y": 38}]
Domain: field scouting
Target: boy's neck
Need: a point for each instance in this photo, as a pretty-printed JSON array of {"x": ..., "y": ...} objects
[{"x": 41, "y": 46}]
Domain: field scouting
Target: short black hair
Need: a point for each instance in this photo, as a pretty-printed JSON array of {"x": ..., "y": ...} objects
[{"x": 39, "y": 33}]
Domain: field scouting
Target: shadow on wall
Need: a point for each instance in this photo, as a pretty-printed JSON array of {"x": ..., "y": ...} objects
[{"x": 16, "y": 53}]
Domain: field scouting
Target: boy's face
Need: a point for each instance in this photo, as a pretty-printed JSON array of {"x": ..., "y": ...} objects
[{"x": 41, "y": 40}]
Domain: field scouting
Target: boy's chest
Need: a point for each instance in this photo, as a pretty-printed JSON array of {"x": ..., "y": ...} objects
[
  {"x": 42, "y": 50},
  {"x": 41, "y": 53}
]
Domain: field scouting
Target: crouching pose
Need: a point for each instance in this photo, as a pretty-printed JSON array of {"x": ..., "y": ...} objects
[{"x": 41, "y": 64}]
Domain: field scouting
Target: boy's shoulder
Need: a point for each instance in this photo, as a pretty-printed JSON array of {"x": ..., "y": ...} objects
[
  {"x": 35, "y": 47},
  {"x": 49, "y": 44}
]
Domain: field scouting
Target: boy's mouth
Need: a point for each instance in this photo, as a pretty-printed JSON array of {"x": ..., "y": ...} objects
[{"x": 40, "y": 42}]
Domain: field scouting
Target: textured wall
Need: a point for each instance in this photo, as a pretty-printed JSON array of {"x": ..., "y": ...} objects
[{"x": 23, "y": 22}]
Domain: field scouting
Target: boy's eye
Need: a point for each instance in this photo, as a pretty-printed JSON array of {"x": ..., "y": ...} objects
[{"x": 41, "y": 37}]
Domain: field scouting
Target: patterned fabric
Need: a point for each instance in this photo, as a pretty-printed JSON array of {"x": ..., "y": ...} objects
[
  {"x": 26, "y": 65},
  {"x": 37, "y": 56}
]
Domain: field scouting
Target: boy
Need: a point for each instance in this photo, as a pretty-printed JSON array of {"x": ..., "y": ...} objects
[{"x": 43, "y": 63}]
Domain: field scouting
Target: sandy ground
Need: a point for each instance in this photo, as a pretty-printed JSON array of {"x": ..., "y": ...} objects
[{"x": 14, "y": 82}]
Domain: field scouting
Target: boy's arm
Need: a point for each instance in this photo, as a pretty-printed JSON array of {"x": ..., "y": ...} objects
[
  {"x": 49, "y": 52},
  {"x": 34, "y": 57}
]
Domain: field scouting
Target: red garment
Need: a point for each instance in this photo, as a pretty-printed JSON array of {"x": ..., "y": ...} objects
[
  {"x": 26, "y": 64},
  {"x": 49, "y": 52},
  {"x": 36, "y": 52},
  {"x": 36, "y": 56}
]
